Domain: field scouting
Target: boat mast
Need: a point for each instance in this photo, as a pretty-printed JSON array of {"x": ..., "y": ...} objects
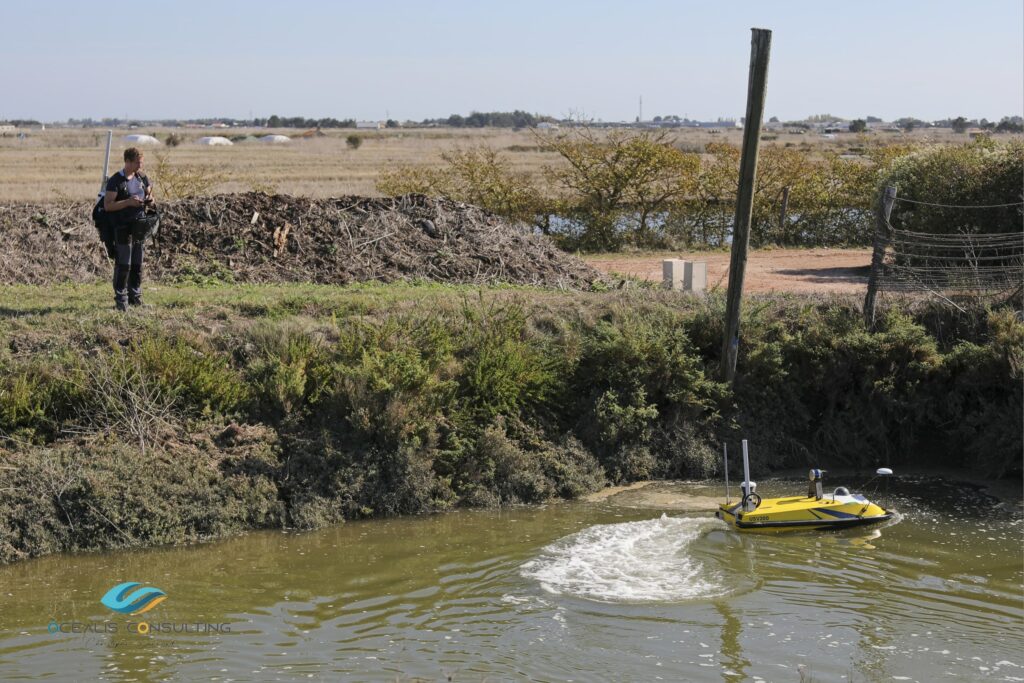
[{"x": 748, "y": 486}]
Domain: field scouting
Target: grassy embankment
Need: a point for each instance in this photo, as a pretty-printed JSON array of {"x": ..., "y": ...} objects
[{"x": 227, "y": 408}]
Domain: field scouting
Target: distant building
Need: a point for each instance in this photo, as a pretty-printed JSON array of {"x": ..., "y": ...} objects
[
  {"x": 371, "y": 125},
  {"x": 7, "y": 128},
  {"x": 720, "y": 123},
  {"x": 546, "y": 125}
]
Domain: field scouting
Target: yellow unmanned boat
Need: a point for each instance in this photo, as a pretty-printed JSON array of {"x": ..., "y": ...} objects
[{"x": 817, "y": 510}]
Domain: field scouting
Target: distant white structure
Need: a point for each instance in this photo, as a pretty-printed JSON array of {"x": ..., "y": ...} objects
[
  {"x": 213, "y": 141},
  {"x": 547, "y": 125},
  {"x": 141, "y": 139},
  {"x": 372, "y": 125},
  {"x": 275, "y": 139},
  {"x": 719, "y": 124}
]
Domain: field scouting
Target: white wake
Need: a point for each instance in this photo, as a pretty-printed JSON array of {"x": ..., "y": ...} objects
[{"x": 649, "y": 561}]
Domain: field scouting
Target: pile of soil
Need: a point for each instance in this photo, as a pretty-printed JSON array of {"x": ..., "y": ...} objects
[{"x": 261, "y": 238}]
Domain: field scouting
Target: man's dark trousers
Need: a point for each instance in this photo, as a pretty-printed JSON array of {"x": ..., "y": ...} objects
[{"x": 128, "y": 267}]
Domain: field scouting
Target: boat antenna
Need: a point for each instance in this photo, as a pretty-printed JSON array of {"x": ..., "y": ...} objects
[
  {"x": 748, "y": 486},
  {"x": 880, "y": 472},
  {"x": 725, "y": 456}
]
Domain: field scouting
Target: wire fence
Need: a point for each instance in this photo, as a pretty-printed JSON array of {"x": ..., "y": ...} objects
[{"x": 971, "y": 263}]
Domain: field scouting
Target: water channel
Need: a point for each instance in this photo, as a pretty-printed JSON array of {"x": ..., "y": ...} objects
[{"x": 609, "y": 590}]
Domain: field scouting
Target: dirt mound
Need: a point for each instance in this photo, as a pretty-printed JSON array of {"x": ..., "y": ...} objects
[{"x": 259, "y": 238}]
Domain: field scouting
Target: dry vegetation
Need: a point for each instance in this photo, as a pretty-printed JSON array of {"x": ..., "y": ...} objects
[
  {"x": 255, "y": 237},
  {"x": 59, "y": 164}
]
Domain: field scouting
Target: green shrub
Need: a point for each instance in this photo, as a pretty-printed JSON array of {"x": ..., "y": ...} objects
[
  {"x": 502, "y": 372},
  {"x": 97, "y": 493},
  {"x": 980, "y": 173},
  {"x": 199, "y": 380}
]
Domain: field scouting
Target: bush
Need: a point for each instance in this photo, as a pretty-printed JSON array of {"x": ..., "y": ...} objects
[
  {"x": 477, "y": 175},
  {"x": 354, "y": 141},
  {"x": 97, "y": 493},
  {"x": 175, "y": 181},
  {"x": 980, "y": 173},
  {"x": 617, "y": 185},
  {"x": 404, "y": 408}
]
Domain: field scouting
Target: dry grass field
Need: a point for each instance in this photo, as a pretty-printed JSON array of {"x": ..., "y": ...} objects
[{"x": 61, "y": 164}]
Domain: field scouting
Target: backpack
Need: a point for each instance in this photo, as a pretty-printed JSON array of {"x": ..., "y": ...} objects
[{"x": 104, "y": 222}]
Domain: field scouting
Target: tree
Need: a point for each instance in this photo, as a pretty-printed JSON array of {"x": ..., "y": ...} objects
[
  {"x": 1010, "y": 125},
  {"x": 615, "y": 184},
  {"x": 959, "y": 124},
  {"x": 858, "y": 126},
  {"x": 478, "y": 175}
]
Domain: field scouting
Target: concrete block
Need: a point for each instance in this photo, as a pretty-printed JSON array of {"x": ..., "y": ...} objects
[
  {"x": 672, "y": 273},
  {"x": 695, "y": 276}
]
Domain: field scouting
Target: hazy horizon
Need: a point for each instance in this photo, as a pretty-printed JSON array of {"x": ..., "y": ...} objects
[{"x": 405, "y": 61}]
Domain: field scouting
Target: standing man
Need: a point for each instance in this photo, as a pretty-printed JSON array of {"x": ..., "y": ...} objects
[{"x": 128, "y": 193}]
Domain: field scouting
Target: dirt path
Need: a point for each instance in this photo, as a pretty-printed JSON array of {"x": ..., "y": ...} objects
[{"x": 782, "y": 270}]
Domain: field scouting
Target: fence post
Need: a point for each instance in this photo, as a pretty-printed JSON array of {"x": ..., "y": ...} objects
[
  {"x": 782, "y": 212},
  {"x": 885, "y": 202},
  {"x": 757, "y": 85}
]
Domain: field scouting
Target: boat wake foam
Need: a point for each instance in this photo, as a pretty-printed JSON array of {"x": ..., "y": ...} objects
[{"x": 648, "y": 561}]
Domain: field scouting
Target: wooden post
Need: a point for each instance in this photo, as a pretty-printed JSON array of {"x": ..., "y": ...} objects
[
  {"x": 782, "y": 212},
  {"x": 885, "y": 202},
  {"x": 760, "y": 46}
]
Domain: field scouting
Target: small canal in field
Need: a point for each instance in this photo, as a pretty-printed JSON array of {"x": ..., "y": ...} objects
[{"x": 585, "y": 591}]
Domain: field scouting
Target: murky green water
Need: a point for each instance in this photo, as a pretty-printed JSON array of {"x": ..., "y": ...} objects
[{"x": 581, "y": 591}]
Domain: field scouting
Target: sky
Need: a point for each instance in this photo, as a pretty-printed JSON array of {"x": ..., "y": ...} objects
[{"x": 411, "y": 60}]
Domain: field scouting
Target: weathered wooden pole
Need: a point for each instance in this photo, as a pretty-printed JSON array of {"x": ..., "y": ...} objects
[
  {"x": 760, "y": 46},
  {"x": 782, "y": 212},
  {"x": 885, "y": 202}
]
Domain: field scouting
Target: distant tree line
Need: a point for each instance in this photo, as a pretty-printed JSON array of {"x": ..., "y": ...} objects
[
  {"x": 492, "y": 119},
  {"x": 276, "y": 121},
  {"x": 20, "y": 123}
]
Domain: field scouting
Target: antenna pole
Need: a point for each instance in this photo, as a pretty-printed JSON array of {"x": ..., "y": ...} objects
[
  {"x": 746, "y": 475},
  {"x": 725, "y": 455},
  {"x": 106, "y": 163}
]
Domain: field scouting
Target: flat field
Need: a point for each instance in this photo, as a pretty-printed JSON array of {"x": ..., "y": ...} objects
[{"x": 60, "y": 164}]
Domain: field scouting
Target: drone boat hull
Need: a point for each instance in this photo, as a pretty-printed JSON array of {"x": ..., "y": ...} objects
[{"x": 804, "y": 513}]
